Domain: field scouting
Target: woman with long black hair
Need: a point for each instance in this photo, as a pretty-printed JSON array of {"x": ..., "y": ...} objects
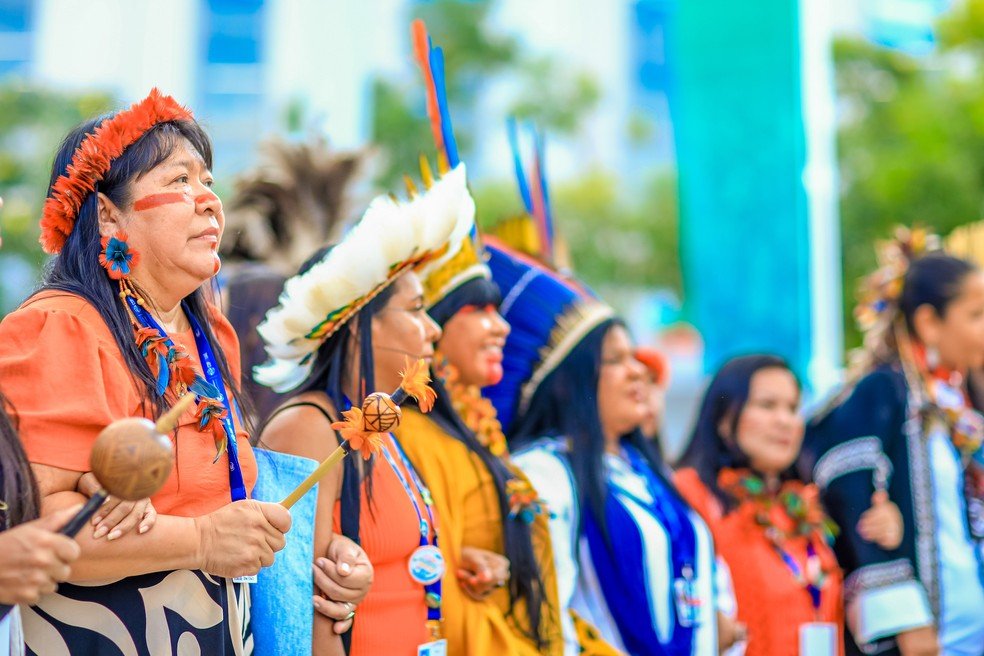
[
  {"x": 123, "y": 326},
  {"x": 510, "y": 605},
  {"x": 905, "y": 427},
  {"x": 768, "y": 526},
  {"x": 633, "y": 561},
  {"x": 347, "y": 324}
]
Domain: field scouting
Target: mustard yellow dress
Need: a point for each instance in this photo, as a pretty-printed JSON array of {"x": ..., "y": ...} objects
[{"x": 468, "y": 506}]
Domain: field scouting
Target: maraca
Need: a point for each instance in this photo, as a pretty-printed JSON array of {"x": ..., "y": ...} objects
[
  {"x": 363, "y": 427},
  {"x": 131, "y": 459}
]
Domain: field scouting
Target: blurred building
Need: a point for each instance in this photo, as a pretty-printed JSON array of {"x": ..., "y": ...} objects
[
  {"x": 244, "y": 66},
  {"x": 249, "y": 67}
]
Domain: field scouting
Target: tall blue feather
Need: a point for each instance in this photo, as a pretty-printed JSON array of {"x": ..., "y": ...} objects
[
  {"x": 437, "y": 72},
  {"x": 524, "y": 189},
  {"x": 541, "y": 161}
]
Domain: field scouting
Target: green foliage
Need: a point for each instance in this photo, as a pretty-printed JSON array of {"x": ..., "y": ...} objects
[
  {"x": 472, "y": 54},
  {"x": 911, "y": 141},
  {"x": 33, "y": 121},
  {"x": 570, "y": 95},
  {"x": 615, "y": 237}
]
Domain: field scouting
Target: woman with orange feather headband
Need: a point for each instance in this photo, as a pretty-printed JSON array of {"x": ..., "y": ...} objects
[{"x": 122, "y": 326}]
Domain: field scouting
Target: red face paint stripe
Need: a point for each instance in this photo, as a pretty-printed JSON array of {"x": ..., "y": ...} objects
[
  {"x": 156, "y": 200},
  {"x": 205, "y": 198}
]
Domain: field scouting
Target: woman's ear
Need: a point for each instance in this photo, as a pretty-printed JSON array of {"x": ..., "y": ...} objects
[
  {"x": 927, "y": 324},
  {"x": 724, "y": 425},
  {"x": 110, "y": 216}
]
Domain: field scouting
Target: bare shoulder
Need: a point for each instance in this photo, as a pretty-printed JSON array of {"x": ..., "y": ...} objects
[{"x": 300, "y": 427}]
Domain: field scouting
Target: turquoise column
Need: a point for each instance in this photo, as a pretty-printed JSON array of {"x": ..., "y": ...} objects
[{"x": 741, "y": 152}]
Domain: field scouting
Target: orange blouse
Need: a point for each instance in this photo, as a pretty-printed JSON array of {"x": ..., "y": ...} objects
[
  {"x": 771, "y": 602},
  {"x": 392, "y": 618},
  {"x": 66, "y": 380}
]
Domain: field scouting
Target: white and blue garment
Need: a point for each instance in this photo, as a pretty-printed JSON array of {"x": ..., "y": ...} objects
[
  {"x": 961, "y": 627},
  {"x": 879, "y": 438},
  {"x": 652, "y": 592}
]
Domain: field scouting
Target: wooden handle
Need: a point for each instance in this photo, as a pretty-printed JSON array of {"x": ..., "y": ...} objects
[
  {"x": 169, "y": 420},
  {"x": 315, "y": 476}
]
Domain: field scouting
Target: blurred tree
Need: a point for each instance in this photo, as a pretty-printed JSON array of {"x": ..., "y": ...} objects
[
  {"x": 911, "y": 140},
  {"x": 32, "y": 123},
  {"x": 472, "y": 55},
  {"x": 614, "y": 237}
]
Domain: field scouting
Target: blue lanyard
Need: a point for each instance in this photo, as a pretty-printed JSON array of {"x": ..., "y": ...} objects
[
  {"x": 811, "y": 587},
  {"x": 434, "y": 589},
  {"x": 212, "y": 374}
]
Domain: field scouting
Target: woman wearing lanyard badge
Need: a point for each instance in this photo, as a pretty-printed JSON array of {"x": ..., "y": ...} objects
[
  {"x": 347, "y": 324},
  {"x": 123, "y": 327},
  {"x": 768, "y": 527},
  {"x": 634, "y": 565},
  {"x": 904, "y": 429},
  {"x": 506, "y": 603}
]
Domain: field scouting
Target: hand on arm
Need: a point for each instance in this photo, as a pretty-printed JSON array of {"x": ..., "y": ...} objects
[
  {"x": 343, "y": 579},
  {"x": 116, "y": 517},
  {"x": 882, "y": 522}
]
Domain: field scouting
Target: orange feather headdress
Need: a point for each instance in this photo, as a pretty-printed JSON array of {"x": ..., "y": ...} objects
[{"x": 93, "y": 159}]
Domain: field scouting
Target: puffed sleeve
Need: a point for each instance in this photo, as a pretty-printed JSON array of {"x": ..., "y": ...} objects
[{"x": 65, "y": 379}]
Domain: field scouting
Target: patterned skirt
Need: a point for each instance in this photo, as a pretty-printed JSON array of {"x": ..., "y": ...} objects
[{"x": 183, "y": 612}]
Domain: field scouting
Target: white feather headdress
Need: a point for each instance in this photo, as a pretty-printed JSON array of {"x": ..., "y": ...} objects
[{"x": 392, "y": 238}]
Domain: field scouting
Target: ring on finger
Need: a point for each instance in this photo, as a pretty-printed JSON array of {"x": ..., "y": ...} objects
[{"x": 349, "y": 616}]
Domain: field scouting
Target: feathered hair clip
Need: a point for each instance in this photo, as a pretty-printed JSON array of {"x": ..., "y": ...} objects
[
  {"x": 93, "y": 159},
  {"x": 879, "y": 293}
]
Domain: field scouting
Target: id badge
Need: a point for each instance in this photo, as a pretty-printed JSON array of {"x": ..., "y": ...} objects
[
  {"x": 435, "y": 648},
  {"x": 245, "y": 579},
  {"x": 818, "y": 639}
]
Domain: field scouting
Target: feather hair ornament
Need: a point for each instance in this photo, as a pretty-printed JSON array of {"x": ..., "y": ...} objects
[
  {"x": 390, "y": 239},
  {"x": 93, "y": 159}
]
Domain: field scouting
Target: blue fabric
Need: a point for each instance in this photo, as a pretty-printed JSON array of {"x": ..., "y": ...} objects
[
  {"x": 533, "y": 297},
  {"x": 282, "y": 613},
  {"x": 622, "y": 569}
]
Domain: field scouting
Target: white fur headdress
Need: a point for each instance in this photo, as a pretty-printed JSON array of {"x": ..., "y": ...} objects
[{"x": 392, "y": 238}]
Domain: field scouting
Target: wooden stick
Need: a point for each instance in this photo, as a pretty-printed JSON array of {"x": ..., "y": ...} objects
[
  {"x": 309, "y": 482},
  {"x": 169, "y": 420}
]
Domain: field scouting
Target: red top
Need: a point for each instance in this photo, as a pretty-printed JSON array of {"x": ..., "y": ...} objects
[
  {"x": 392, "y": 619},
  {"x": 67, "y": 380},
  {"x": 771, "y": 602}
]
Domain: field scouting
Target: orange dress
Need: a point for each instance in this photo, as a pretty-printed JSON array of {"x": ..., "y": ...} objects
[
  {"x": 771, "y": 602},
  {"x": 66, "y": 379},
  {"x": 392, "y": 618}
]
